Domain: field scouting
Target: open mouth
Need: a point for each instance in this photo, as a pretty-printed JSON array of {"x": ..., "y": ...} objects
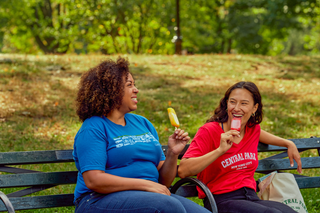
[{"x": 237, "y": 116}]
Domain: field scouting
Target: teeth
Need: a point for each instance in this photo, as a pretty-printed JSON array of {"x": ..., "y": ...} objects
[
  {"x": 134, "y": 99},
  {"x": 237, "y": 115}
]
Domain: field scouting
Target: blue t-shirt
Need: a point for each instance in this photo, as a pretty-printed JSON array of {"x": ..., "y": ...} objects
[{"x": 131, "y": 151}]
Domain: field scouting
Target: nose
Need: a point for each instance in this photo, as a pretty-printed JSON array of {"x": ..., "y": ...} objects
[
  {"x": 237, "y": 107},
  {"x": 135, "y": 90}
]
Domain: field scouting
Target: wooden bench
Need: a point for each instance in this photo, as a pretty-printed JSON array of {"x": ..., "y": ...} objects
[{"x": 36, "y": 181}]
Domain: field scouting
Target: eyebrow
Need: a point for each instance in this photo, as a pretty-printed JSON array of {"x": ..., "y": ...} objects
[{"x": 240, "y": 100}]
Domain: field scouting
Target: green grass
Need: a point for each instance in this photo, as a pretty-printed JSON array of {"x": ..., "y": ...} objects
[{"x": 37, "y": 106}]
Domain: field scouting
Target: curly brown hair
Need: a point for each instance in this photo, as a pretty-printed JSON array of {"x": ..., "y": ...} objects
[
  {"x": 101, "y": 88},
  {"x": 220, "y": 113}
]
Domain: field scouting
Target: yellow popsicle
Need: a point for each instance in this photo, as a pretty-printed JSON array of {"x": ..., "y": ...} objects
[{"x": 173, "y": 117}]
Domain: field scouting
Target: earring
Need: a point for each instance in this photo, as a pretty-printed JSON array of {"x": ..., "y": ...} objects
[
  {"x": 227, "y": 110},
  {"x": 253, "y": 114}
]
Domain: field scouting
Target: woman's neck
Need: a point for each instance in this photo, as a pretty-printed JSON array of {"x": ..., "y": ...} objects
[{"x": 117, "y": 117}]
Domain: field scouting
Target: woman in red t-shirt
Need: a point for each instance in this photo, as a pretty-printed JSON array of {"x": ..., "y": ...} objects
[{"x": 225, "y": 160}]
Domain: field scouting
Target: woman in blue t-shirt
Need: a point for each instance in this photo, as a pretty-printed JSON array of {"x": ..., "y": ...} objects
[{"x": 121, "y": 164}]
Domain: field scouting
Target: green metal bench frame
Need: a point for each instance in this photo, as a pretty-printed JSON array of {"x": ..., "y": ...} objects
[{"x": 37, "y": 181}]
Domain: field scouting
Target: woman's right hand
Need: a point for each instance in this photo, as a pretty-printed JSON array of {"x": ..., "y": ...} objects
[
  {"x": 226, "y": 140},
  {"x": 157, "y": 188}
]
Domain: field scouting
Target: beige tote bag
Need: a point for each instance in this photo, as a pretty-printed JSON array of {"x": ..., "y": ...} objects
[{"x": 282, "y": 187}]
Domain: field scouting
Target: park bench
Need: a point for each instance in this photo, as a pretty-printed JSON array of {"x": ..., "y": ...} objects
[{"x": 36, "y": 181}]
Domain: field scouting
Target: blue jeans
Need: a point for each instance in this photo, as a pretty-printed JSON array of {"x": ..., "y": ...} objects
[
  {"x": 136, "y": 202},
  {"x": 246, "y": 200}
]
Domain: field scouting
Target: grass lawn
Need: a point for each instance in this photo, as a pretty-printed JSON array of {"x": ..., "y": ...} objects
[{"x": 37, "y": 96}]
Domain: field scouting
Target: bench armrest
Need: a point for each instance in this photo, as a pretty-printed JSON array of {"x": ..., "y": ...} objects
[
  {"x": 7, "y": 202},
  {"x": 201, "y": 185}
]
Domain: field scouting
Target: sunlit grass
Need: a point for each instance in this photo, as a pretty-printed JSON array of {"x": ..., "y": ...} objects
[{"x": 37, "y": 106}]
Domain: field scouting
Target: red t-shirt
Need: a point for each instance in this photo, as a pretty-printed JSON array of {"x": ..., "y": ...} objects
[{"x": 234, "y": 169}]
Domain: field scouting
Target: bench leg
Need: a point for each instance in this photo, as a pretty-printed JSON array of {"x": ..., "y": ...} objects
[
  {"x": 201, "y": 185},
  {"x": 7, "y": 202}
]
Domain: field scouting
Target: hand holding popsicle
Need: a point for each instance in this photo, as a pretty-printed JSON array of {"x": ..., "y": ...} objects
[
  {"x": 179, "y": 138},
  {"x": 227, "y": 138}
]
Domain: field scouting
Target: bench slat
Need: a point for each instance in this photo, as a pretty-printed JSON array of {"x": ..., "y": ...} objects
[
  {"x": 34, "y": 179},
  {"x": 30, "y": 190},
  {"x": 301, "y": 143},
  {"x": 35, "y": 157},
  {"x": 15, "y": 170},
  {"x": 308, "y": 182},
  {"x": 40, "y": 202},
  {"x": 284, "y": 164}
]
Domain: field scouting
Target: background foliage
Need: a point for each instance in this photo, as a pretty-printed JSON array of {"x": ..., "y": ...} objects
[{"x": 269, "y": 27}]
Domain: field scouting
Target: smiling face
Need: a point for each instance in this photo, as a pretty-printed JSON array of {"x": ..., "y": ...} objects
[
  {"x": 241, "y": 104},
  {"x": 129, "y": 99}
]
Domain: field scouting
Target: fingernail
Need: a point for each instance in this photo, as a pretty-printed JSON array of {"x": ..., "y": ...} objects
[{"x": 291, "y": 165}]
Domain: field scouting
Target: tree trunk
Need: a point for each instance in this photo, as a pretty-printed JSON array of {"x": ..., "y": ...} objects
[
  {"x": 229, "y": 45},
  {"x": 222, "y": 47}
]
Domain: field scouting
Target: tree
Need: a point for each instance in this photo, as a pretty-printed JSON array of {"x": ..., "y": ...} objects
[
  {"x": 140, "y": 26},
  {"x": 247, "y": 26},
  {"x": 127, "y": 26},
  {"x": 48, "y": 23}
]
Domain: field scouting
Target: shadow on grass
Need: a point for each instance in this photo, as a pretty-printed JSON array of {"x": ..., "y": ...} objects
[
  {"x": 290, "y": 68},
  {"x": 159, "y": 90},
  {"x": 194, "y": 104}
]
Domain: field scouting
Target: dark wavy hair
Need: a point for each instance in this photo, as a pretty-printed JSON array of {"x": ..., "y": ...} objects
[
  {"x": 221, "y": 114},
  {"x": 101, "y": 88}
]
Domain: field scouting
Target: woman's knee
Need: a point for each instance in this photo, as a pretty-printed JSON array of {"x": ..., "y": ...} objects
[{"x": 169, "y": 204}]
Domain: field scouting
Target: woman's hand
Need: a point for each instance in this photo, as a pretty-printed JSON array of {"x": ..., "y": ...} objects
[
  {"x": 226, "y": 140},
  {"x": 158, "y": 188},
  {"x": 177, "y": 141},
  {"x": 294, "y": 154}
]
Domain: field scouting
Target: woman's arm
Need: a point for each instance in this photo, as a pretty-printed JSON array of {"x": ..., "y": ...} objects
[
  {"x": 293, "y": 152},
  {"x": 105, "y": 183},
  {"x": 168, "y": 168},
  {"x": 192, "y": 166}
]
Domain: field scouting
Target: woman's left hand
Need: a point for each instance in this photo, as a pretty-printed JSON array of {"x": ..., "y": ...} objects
[
  {"x": 177, "y": 141},
  {"x": 292, "y": 151},
  {"x": 294, "y": 154}
]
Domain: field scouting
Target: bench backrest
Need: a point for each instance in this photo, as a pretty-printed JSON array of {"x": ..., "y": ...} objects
[
  {"x": 35, "y": 180},
  {"x": 38, "y": 181},
  {"x": 277, "y": 162}
]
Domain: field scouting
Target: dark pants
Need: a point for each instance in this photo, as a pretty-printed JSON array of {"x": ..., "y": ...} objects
[{"x": 245, "y": 200}]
